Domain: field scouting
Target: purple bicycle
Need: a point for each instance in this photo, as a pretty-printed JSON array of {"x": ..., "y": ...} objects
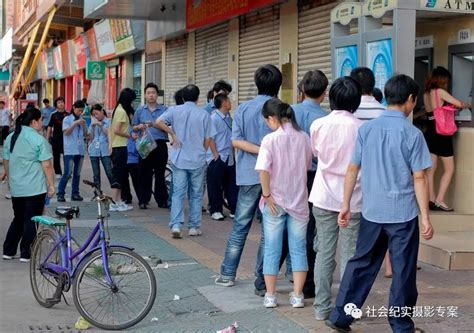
[{"x": 113, "y": 287}]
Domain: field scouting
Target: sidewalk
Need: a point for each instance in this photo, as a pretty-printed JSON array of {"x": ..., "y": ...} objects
[{"x": 192, "y": 266}]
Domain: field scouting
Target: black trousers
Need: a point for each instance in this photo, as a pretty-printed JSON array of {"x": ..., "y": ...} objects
[
  {"x": 57, "y": 151},
  {"x": 22, "y": 228},
  {"x": 134, "y": 171},
  {"x": 4, "y": 134},
  {"x": 154, "y": 164},
  {"x": 402, "y": 241},
  {"x": 221, "y": 182}
]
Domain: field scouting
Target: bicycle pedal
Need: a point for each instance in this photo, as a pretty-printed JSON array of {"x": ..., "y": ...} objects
[{"x": 53, "y": 300}]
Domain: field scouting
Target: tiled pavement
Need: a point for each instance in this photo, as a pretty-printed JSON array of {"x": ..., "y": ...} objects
[{"x": 192, "y": 265}]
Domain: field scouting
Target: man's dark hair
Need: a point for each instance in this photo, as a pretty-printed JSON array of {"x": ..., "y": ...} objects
[
  {"x": 220, "y": 99},
  {"x": 60, "y": 98},
  {"x": 221, "y": 85},
  {"x": 96, "y": 107},
  {"x": 46, "y": 101},
  {"x": 178, "y": 97},
  {"x": 378, "y": 95},
  {"x": 399, "y": 88},
  {"x": 268, "y": 80},
  {"x": 191, "y": 93},
  {"x": 2, "y": 102},
  {"x": 151, "y": 85},
  {"x": 345, "y": 94},
  {"x": 79, "y": 104},
  {"x": 366, "y": 79},
  {"x": 84, "y": 100},
  {"x": 314, "y": 83}
]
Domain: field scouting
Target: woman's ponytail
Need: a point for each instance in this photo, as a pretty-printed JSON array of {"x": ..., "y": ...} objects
[
  {"x": 24, "y": 119},
  {"x": 290, "y": 115}
]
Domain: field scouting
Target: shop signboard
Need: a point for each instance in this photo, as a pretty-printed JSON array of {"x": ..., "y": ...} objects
[
  {"x": 95, "y": 70},
  {"x": 65, "y": 57},
  {"x": 44, "y": 65},
  {"x": 23, "y": 103},
  {"x": 346, "y": 60},
  {"x": 122, "y": 35},
  {"x": 58, "y": 63},
  {"x": 459, "y": 6},
  {"x": 81, "y": 57},
  {"x": 104, "y": 39},
  {"x": 346, "y": 12},
  {"x": 380, "y": 61},
  {"x": 207, "y": 12},
  {"x": 424, "y": 42},
  {"x": 50, "y": 62},
  {"x": 71, "y": 47},
  {"x": 93, "y": 52}
]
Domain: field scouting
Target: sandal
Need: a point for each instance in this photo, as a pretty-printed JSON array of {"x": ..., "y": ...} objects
[
  {"x": 443, "y": 207},
  {"x": 432, "y": 206}
]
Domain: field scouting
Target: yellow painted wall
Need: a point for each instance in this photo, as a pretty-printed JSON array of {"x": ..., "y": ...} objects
[
  {"x": 461, "y": 193},
  {"x": 289, "y": 48}
]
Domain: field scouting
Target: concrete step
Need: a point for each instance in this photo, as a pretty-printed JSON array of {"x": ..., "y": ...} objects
[
  {"x": 451, "y": 250},
  {"x": 444, "y": 222}
]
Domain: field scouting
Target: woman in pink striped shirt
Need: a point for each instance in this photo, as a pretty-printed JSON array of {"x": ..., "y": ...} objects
[{"x": 283, "y": 161}]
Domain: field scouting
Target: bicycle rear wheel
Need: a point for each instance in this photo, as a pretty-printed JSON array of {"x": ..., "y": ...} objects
[
  {"x": 118, "y": 309},
  {"x": 43, "y": 284}
]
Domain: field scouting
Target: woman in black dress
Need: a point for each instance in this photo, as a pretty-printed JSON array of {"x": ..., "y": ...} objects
[{"x": 440, "y": 146}]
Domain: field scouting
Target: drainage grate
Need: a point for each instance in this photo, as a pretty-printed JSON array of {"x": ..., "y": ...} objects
[{"x": 48, "y": 329}]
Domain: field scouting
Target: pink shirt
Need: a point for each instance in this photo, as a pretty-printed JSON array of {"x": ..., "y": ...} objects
[
  {"x": 333, "y": 139},
  {"x": 286, "y": 155}
]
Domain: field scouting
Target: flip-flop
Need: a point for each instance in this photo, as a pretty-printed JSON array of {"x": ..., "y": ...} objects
[{"x": 443, "y": 207}]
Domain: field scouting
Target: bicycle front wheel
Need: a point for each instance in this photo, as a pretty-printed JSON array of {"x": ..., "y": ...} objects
[
  {"x": 43, "y": 284},
  {"x": 114, "y": 307}
]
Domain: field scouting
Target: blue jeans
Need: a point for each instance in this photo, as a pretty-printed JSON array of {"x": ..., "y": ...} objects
[
  {"x": 247, "y": 203},
  {"x": 107, "y": 164},
  {"x": 274, "y": 226},
  {"x": 186, "y": 182},
  {"x": 69, "y": 160}
]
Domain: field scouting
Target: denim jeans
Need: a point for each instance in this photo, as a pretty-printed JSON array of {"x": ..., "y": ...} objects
[
  {"x": 274, "y": 226},
  {"x": 247, "y": 203},
  {"x": 107, "y": 164},
  {"x": 325, "y": 246},
  {"x": 69, "y": 160},
  {"x": 186, "y": 182}
]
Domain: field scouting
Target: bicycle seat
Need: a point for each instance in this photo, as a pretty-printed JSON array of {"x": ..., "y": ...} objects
[{"x": 67, "y": 212}]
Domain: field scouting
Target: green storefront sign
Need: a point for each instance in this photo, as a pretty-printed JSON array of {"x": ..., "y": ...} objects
[{"x": 95, "y": 70}]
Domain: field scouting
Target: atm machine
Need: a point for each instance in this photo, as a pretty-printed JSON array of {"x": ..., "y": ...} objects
[{"x": 461, "y": 66}]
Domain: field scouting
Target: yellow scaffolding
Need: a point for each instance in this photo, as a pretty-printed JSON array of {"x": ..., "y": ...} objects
[{"x": 39, "y": 50}]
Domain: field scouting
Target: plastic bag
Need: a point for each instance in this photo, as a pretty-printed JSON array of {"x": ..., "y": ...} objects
[{"x": 145, "y": 144}]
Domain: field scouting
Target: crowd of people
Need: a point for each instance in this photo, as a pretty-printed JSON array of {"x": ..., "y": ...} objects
[{"x": 354, "y": 176}]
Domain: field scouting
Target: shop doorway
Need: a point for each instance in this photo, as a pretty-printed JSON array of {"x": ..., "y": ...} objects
[
  {"x": 423, "y": 66},
  {"x": 461, "y": 66}
]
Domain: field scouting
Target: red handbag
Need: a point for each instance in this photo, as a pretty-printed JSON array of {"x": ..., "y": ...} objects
[{"x": 444, "y": 118}]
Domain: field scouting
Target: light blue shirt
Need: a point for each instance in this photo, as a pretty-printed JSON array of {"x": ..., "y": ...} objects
[
  {"x": 132, "y": 152},
  {"x": 73, "y": 143},
  {"x": 210, "y": 106},
  {"x": 192, "y": 125},
  {"x": 99, "y": 145},
  {"x": 46, "y": 114},
  {"x": 249, "y": 125},
  {"x": 26, "y": 176},
  {"x": 222, "y": 136},
  {"x": 144, "y": 115},
  {"x": 388, "y": 150},
  {"x": 307, "y": 112}
]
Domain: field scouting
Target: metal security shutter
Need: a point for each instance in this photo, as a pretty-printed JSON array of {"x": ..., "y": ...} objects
[
  {"x": 176, "y": 67},
  {"x": 211, "y": 65},
  {"x": 259, "y": 44},
  {"x": 314, "y": 37}
]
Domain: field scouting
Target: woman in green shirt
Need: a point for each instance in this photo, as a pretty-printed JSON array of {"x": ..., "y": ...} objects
[{"x": 27, "y": 159}]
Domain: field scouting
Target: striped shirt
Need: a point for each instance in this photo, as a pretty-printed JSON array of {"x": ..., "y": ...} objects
[{"x": 369, "y": 108}]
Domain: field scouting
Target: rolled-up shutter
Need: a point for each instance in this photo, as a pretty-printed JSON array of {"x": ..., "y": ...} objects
[
  {"x": 314, "y": 37},
  {"x": 211, "y": 65},
  {"x": 176, "y": 67},
  {"x": 259, "y": 44}
]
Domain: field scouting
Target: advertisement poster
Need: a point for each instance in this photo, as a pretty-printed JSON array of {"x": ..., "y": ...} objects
[
  {"x": 104, "y": 39},
  {"x": 94, "y": 53},
  {"x": 380, "y": 61},
  {"x": 346, "y": 60},
  {"x": 24, "y": 103},
  {"x": 123, "y": 36}
]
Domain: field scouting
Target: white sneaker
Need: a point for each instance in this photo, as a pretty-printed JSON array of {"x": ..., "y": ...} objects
[
  {"x": 5, "y": 257},
  {"x": 176, "y": 232},
  {"x": 117, "y": 207},
  {"x": 24, "y": 260},
  {"x": 231, "y": 215},
  {"x": 8, "y": 195},
  {"x": 270, "y": 301},
  {"x": 194, "y": 232},
  {"x": 296, "y": 301},
  {"x": 217, "y": 216},
  {"x": 125, "y": 206}
]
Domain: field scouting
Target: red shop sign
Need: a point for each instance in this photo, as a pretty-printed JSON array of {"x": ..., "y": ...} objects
[{"x": 81, "y": 56}]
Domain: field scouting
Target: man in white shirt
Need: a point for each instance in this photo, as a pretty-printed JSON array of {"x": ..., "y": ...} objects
[
  {"x": 369, "y": 107},
  {"x": 5, "y": 119}
]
